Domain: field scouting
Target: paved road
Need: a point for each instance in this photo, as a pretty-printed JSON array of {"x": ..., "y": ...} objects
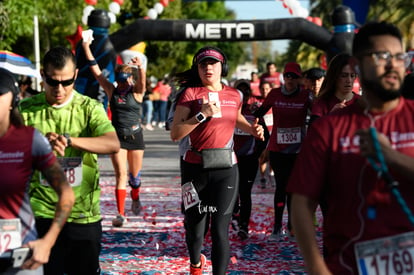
[{"x": 160, "y": 158}]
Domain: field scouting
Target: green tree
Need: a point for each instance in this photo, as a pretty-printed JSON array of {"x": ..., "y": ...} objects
[
  {"x": 60, "y": 18},
  {"x": 57, "y": 19},
  {"x": 172, "y": 57}
]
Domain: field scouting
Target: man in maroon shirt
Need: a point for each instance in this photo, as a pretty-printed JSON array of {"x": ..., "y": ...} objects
[
  {"x": 272, "y": 75},
  {"x": 365, "y": 228}
]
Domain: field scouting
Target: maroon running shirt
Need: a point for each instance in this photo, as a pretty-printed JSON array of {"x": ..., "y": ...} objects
[{"x": 330, "y": 168}]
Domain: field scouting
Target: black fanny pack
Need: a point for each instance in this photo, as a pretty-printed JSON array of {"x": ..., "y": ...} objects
[
  {"x": 217, "y": 158},
  {"x": 130, "y": 132},
  {"x": 5, "y": 263}
]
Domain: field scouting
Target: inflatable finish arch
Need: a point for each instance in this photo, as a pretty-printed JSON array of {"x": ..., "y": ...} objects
[
  {"x": 106, "y": 46},
  {"x": 242, "y": 30}
]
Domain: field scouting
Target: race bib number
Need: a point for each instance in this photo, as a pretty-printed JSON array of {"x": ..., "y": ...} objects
[
  {"x": 190, "y": 195},
  {"x": 73, "y": 170},
  {"x": 288, "y": 135},
  {"x": 386, "y": 256},
  {"x": 9, "y": 234}
]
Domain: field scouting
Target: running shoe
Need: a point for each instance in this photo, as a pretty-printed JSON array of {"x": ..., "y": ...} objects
[
  {"x": 149, "y": 127},
  {"x": 198, "y": 270},
  {"x": 243, "y": 234},
  {"x": 276, "y": 236},
  {"x": 136, "y": 207},
  {"x": 118, "y": 221},
  {"x": 235, "y": 221}
]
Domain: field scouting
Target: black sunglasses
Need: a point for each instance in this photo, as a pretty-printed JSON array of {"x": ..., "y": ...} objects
[
  {"x": 55, "y": 83},
  {"x": 291, "y": 75}
]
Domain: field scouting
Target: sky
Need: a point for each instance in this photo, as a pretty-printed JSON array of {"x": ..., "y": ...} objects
[{"x": 263, "y": 9}]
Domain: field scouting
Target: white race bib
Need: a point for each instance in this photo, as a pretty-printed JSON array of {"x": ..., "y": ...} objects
[
  {"x": 10, "y": 236},
  {"x": 268, "y": 119},
  {"x": 73, "y": 170},
  {"x": 288, "y": 135},
  {"x": 386, "y": 256},
  {"x": 190, "y": 195}
]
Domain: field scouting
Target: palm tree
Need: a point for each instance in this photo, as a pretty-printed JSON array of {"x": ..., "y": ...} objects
[{"x": 398, "y": 12}]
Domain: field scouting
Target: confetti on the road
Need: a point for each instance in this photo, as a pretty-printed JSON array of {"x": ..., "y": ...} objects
[{"x": 154, "y": 242}]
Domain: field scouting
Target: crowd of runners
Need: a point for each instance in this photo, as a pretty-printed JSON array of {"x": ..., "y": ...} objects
[{"x": 340, "y": 138}]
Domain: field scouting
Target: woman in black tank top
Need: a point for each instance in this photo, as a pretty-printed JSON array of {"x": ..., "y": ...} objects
[{"x": 126, "y": 108}]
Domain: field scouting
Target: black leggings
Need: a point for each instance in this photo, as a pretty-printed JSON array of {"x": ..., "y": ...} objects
[
  {"x": 248, "y": 166},
  {"x": 282, "y": 165},
  {"x": 217, "y": 190}
]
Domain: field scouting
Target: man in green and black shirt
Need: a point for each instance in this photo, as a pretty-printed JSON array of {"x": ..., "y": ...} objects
[{"x": 78, "y": 129}]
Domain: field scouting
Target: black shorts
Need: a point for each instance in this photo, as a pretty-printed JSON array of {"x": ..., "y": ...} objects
[
  {"x": 132, "y": 142},
  {"x": 77, "y": 249}
]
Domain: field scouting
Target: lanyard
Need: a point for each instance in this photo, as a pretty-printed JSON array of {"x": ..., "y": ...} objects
[{"x": 381, "y": 167}]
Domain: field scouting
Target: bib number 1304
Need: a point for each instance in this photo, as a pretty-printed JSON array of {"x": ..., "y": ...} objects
[
  {"x": 386, "y": 256},
  {"x": 288, "y": 135}
]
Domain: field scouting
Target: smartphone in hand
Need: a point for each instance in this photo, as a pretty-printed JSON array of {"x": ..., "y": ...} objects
[
  {"x": 214, "y": 97},
  {"x": 20, "y": 255}
]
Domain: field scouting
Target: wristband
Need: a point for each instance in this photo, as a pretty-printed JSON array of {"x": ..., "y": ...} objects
[
  {"x": 92, "y": 62},
  {"x": 68, "y": 140}
]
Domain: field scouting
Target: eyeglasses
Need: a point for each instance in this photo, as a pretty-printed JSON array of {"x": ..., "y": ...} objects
[
  {"x": 290, "y": 76},
  {"x": 55, "y": 83},
  {"x": 384, "y": 58}
]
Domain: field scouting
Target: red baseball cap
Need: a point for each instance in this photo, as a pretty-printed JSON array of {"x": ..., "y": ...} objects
[{"x": 293, "y": 67}]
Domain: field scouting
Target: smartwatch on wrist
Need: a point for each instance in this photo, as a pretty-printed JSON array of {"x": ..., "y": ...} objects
[
  {"x": 68, "y": 140},
  {"x": 200, "y": 117}
]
